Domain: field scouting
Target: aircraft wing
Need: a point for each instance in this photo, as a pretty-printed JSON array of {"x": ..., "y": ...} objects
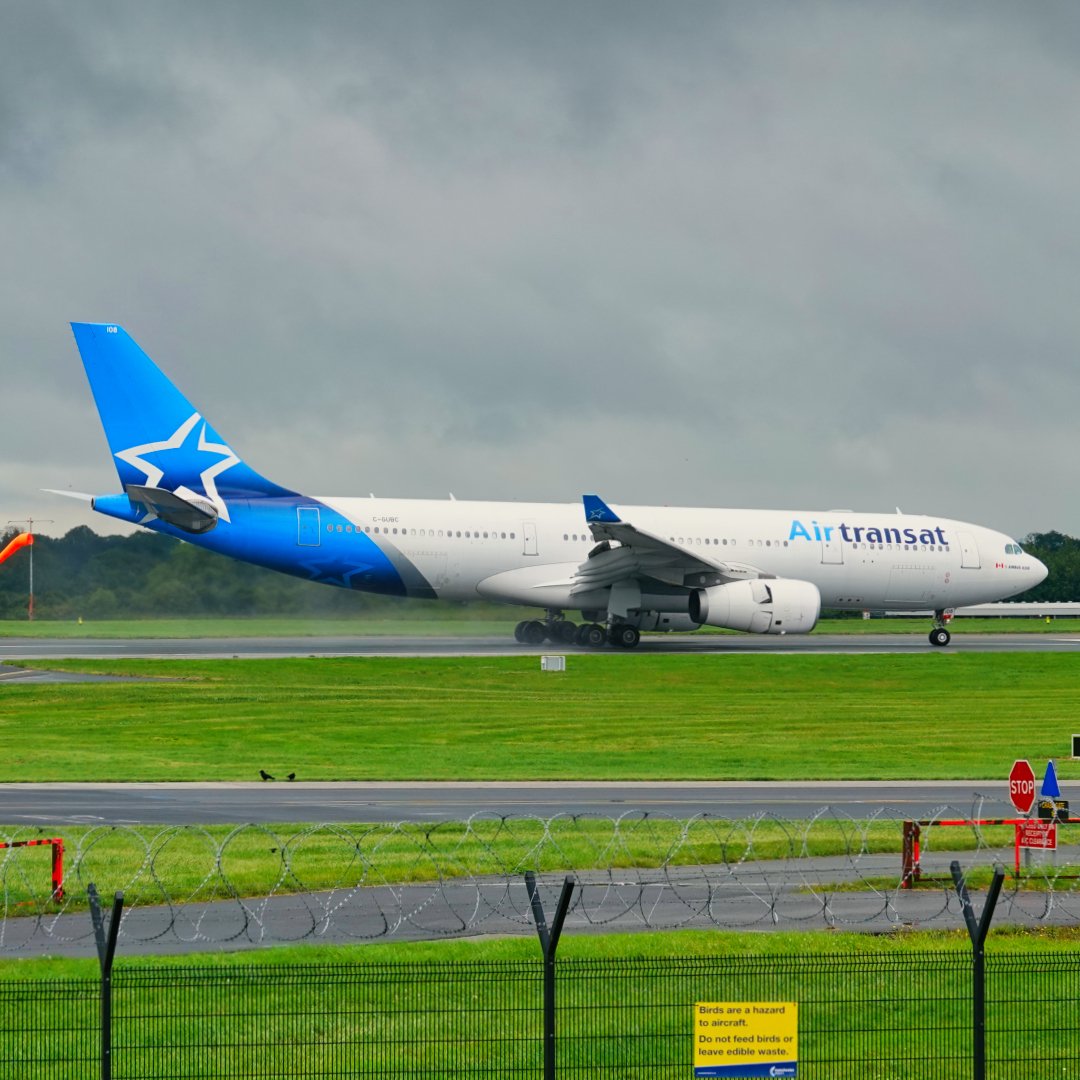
[{"x": 643, "y": 554}]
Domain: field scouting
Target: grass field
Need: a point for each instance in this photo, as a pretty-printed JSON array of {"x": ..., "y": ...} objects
[
  {"x": 682, "y": 943},
  {"x": 880, "y": 1008},
  {"x": 941, "y": 713},
  {"x": 608, "y": 717},
  {"x": 156, "y": 865},
  {"x": 480, "y": 623},
  {"x": 475, "y": 621}
]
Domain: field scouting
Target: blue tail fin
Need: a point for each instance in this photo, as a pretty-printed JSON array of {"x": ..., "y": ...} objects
[{"x": 158, "y": 439}]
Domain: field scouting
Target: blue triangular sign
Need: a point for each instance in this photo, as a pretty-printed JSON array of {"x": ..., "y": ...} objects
[{"x": 1050, "y": 787}]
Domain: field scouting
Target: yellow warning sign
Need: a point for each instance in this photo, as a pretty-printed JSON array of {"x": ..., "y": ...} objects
[{"x": 746, "y": 1038}]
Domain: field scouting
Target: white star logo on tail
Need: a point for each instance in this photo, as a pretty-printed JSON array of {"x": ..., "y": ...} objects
[{"x": 135, "y": 456}]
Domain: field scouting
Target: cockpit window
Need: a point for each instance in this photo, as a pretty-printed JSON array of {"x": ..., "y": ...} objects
[{"x": 1013, "y": 549}]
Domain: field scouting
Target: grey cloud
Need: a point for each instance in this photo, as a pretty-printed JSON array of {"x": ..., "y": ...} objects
[{"x": 767, "y": 254}]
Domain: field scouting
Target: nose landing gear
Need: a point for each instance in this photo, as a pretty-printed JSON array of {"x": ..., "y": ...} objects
[{"x": 940, "y": 634}]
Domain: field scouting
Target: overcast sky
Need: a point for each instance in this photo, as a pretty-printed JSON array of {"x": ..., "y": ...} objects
[{"x": 801, "y": 255}]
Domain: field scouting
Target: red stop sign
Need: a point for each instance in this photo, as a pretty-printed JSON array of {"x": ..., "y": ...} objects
[{"x": 1022, "y": 786}]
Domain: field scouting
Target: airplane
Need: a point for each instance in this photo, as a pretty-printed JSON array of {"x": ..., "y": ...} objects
[{"x": 625, "y": 569}]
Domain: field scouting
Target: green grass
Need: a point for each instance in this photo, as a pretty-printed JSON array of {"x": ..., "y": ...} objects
[
  {"x": 155, "y": 865},
  {"x": 419, "y": 623},
  {"x": 189, "y": 864},
  {"x": 481, "y": 620},
  {"x": 608, "y": 717},
  {"x": 654, "y": 944},
  {"x": 895, "y": 1007}
]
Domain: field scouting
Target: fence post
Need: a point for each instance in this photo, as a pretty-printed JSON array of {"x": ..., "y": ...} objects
[
  {"x": 106, "y": 950},
  {"x": 549, "y": 942},
  {"x": 910, "y": 871},
  {"x": 977, "y": 931}
]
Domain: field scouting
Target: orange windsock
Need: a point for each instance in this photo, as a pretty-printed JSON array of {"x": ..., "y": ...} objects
[{"x": 20, "y": 541}]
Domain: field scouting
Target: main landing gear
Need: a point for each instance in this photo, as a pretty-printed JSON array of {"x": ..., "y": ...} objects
[
  {"x": 940, "y": 634},
  {"x": 560, "y": 631}
]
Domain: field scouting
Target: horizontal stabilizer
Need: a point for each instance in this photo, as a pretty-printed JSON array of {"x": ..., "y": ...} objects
[{"x": 192, "y": 515}]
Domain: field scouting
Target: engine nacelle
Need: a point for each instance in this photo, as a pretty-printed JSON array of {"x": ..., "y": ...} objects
[
  {"x": 760, "y": 606},
  {"x": 664, "y": 621}
]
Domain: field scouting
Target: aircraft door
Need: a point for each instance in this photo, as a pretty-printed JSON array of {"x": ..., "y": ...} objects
[
  {"x": 308, "y": 531},
  {"x": 969, "y": 552},
  {"x": 528, "y": 532},
  {"x": 832, "y": 551}
]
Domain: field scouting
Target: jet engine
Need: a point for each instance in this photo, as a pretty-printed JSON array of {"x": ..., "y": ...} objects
[
  {"x": 760, "y": 606},
  {"x": 668, "y": 621}
]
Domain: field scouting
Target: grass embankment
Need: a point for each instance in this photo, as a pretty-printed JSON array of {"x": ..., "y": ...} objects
[
  {"x": 481, "y": 623},
  {"x": 200, "y": 864},
  {"x": 658, "y": 944},
  {"x": 611, "y": 717},
  {"x": 477, "y": 621},
  {"x": 196, "y": 864},
  {"x": 894, "y": 1006}
]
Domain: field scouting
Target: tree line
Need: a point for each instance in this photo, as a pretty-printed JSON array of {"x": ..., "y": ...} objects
[{"x": 83, "y": 575}]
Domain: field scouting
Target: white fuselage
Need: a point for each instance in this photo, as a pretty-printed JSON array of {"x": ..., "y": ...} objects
[{"x": 471, "y": 550}]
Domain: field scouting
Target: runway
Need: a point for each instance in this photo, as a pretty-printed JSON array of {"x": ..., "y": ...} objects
[
  {"x": 13, "y": 650},
  {"x": 47, "y": 805}
]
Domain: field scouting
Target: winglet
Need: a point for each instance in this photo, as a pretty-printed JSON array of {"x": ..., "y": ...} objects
[{"x": 598, "y": 511}]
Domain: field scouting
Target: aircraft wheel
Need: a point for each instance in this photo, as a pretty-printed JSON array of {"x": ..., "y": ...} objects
[
  {"x": 592, "y": 635},
  {"x": 564, "y": 632},
  {"x": 533, "y": 632},
  {"x": 624, "y": 636},
  {"x": 519, "y": 632},
  {"x": 940, "y": 636}
]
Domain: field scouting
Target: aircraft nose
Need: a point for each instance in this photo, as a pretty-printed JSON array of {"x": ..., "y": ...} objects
[{"x": 1038, "y": 572}]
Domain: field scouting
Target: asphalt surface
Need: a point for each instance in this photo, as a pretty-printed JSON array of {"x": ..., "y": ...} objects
[
  {"x": 12, "y": 650},
  {"x": 279, "y": 801},
  {"x": 755, "y": 896}
]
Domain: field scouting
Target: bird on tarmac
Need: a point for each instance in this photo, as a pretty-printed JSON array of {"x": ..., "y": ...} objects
[{"x": 265, "y": 775}]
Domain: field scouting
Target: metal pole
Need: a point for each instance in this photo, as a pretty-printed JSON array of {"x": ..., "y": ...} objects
[
  {"x": 549, "y": 942},
  {"x": 29, "y": 523},
  {"x": 977, "y": 931},
  {"x": 106, "y": 949}
]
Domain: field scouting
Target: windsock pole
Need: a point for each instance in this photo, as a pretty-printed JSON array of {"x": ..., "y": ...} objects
[{"x": 25, "y": 539}]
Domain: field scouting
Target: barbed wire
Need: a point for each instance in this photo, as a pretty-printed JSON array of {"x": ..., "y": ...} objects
[{"x": 190, "y": 886}]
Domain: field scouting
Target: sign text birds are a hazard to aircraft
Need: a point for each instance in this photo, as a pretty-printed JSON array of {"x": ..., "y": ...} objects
[
  {"x": 1022, "y": 786},
  {"x": 746, "y": 1039}
]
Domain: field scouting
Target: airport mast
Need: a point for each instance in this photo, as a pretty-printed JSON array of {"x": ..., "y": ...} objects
[{"x": 29, "y": 523}]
